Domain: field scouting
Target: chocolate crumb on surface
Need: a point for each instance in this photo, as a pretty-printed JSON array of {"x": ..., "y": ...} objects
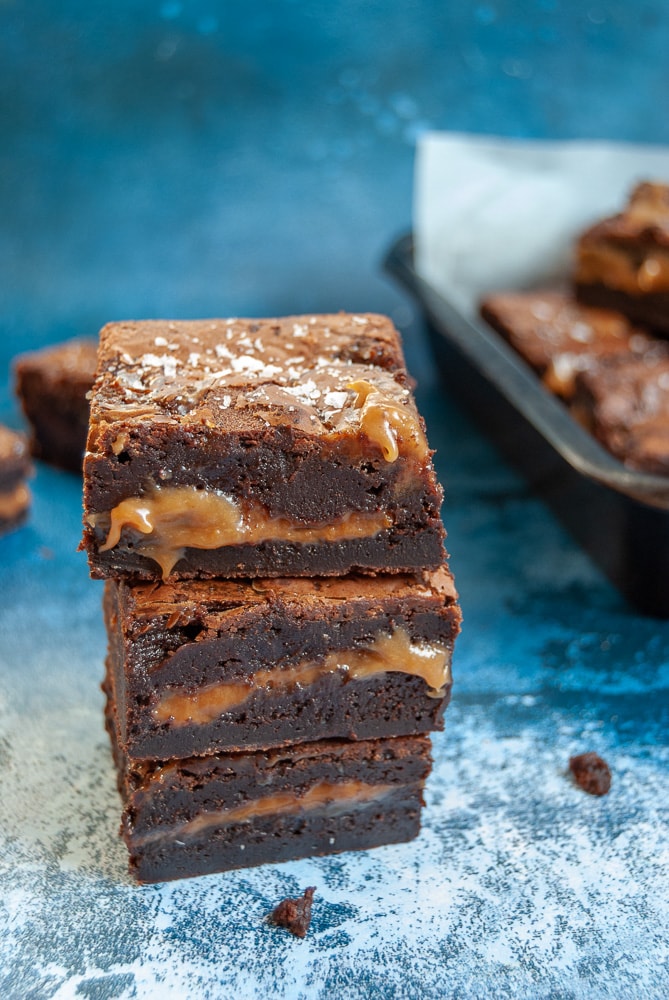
[
  {"x": 294, "y": 914},
  {"x": 591, "y": 773}
]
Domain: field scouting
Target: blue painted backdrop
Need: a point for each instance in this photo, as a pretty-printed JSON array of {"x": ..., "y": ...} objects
[{"x": 199, "y": 158}]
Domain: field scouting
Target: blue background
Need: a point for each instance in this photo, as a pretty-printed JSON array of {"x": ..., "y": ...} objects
[{"x": 191, "y": 159}]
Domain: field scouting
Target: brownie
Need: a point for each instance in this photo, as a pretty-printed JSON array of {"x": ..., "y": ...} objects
[
  {"x": 209, "y": 814},
  {"x": 559, "y": 337},
  {"x": 15, "y": 468},
  {"x": 626, "y": 406},
  {"x": 622, "y": 262},
  {"x": 205, "y": 666},
  {"x": 240, "y": 448},
  {"x": 52, "y": 385}
]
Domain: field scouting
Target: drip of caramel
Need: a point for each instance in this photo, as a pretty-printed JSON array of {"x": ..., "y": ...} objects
[
  {"x": 328, "y": 797},
  {"x": 394, "y": 652},
  {"x": 174, "y": 518},
  {"x": 387, "y": 423}
]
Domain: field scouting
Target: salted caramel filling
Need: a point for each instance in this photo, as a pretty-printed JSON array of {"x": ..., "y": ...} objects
[
  {"x": 394, "y": 652},
  {"x": 614, "y": 267},
  {"x": 175, "y": 518},
  {"x": 14, "y": 502},
  {"x": 388, "y": 424},
  {"x": 327, "y": 797}
]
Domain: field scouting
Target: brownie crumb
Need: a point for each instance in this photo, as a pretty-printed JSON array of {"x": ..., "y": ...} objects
[
  {"x": 591, "y": 773},
  {"x": 294, "y": 914}
]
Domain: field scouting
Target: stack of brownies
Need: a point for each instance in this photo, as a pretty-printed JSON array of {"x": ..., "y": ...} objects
[{"x": 260, "y": 497}]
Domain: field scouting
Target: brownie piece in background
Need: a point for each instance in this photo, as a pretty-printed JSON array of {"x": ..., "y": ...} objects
[
  {"x": 623, "y": 262},
  {"x": 625, "y": 403},
  {"x": 559, "y": 337},
  {"x": 15, "y": 468},
  {"x": 52, "y": 386},
  {"x": 203, "y": 666},
  {"x": 209, "y": 814},
  {"x": 276, "y": 447}
]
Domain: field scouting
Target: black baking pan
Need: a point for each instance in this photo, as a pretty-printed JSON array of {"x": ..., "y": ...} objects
[{"x": 621, "y": 517}]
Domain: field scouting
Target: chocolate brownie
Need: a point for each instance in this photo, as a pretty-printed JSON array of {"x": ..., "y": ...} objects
[
  {"x": 625, "y": 403},
  {"x": 210, "y": 814},
  {"x": 52, "y": 385},
  {"x": 559, "y": 337},
  {"x": 623, "y": 261},
  {"x": 15, "y": 467},
  {"x": 216, "y": 665},
  {"x": 282, "y": 447}
]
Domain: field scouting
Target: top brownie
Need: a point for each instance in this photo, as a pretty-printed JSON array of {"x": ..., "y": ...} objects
[
  {"x": 257, "y": 447},
  {"x": 623, "y": 261}
]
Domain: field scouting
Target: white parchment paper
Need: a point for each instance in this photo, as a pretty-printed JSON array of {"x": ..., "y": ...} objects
[{"x": 493, "y": 214}]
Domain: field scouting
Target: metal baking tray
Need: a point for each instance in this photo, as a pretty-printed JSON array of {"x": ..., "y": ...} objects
[{"x": 621, "y": 517}]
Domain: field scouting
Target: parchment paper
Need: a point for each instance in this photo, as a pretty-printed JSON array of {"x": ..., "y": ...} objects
[{"x": 493, "y": 214}]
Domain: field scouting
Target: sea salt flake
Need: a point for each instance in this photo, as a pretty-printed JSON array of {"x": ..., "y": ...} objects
[
  {"x": 360, "y": 320},
  {"x": 335, "y": 400},
  {"x": 193, "y": 358},
  {"x": 160, "y": 342},
  {"x": 299, "y": 330},
  {"x": 246, "y": 363}
]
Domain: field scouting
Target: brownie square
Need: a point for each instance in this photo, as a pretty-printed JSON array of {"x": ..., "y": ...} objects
[
  {"x": 626, "y": 405},
  {"x": 216, "y": 665},
  {"x": 279, "y": 447},
  {"x": 52, "y": 386},
  {"x": 15, "y": 467},
  {"x": 211, "y": 814},
  {"x": 622, "y": 262},
  {"x": 559, "y": 337}
]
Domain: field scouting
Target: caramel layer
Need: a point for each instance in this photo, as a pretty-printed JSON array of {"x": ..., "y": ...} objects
[
  {"x": 615, "y": 268},
  {"x": 327, "y": 797},
  {"x": 174, "y": 518},
  {"x": 388, "y": 653},
  {"x": 387, "y": 423},
  {"x": 14, "y": 502}
]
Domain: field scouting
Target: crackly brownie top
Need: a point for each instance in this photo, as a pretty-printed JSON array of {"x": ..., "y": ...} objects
[
  {"x": 558, "y": 336},
  {"x": 176, "y": 603},
  {"x": 72, "y": 360},
  {"x": 311, "y": 372},
  {"x": 645, "y": 218}
]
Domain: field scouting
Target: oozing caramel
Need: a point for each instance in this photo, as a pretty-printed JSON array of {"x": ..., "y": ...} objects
[
  {"x": 328, "y": 797},
  {"x": 614, "y": 267},
  {"x": 174, "y": 518},
  {"x": 387, "y": 423},
  {"x": 394, "y": 652}
]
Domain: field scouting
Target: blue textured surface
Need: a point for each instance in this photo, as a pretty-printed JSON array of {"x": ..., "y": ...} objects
[{"x": 192, "y": 159}]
